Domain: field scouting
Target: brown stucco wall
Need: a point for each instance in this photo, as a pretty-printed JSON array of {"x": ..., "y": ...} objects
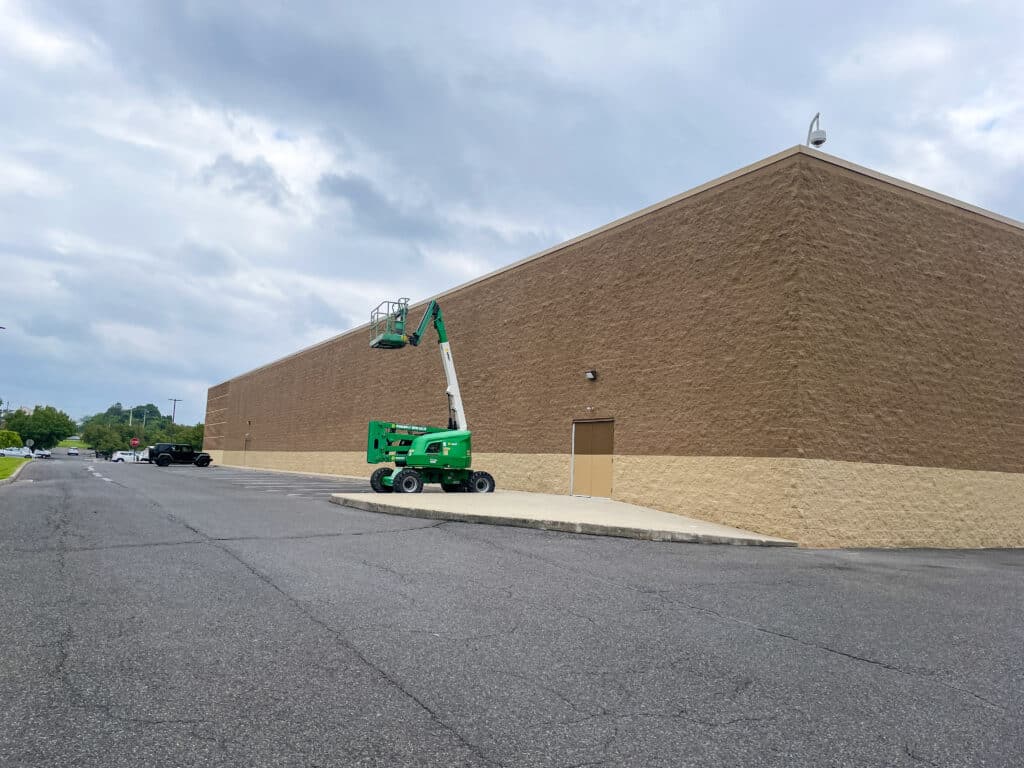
[
  {"x": 804, "y": 350},
  {"x": 912, "y": 326}
]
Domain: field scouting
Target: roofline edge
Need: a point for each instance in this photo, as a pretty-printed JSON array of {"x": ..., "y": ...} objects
[{"x": 924, "y": 191}]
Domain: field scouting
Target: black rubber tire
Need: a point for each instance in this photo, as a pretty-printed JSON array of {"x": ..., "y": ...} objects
[
  {"x": 453, "y": 487},
  {"x": 480, "y": 482},
  {"x": 119, "y": 461},
  {"x": 407, "y": 481},
  {"x": 163, "y": 460},
  {"x": 376, "y": 478},
  {"x": 203, "y": 462}
]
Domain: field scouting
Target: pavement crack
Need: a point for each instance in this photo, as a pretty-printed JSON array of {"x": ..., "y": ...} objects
[
  {"x": 335, "y": 535},
  {"x": 845, "y": 654},
  {"x": 382, "y": 673},
  {"x": 662, "y": 596},
  {"x": 77, "y": 699},
  {"x": 910, "y": 752},
  {"x": 554, "y": 692},
  {"x": 220, "y": 741},
  {"x": 616, "y": 717},
  {"x": 52, "y": 550}
]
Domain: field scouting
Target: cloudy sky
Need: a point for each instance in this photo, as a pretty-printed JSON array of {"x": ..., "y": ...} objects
[{"x": 189, "y": 190}]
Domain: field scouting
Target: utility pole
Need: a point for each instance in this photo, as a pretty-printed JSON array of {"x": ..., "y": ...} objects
[{"x": 174, "y": 408}]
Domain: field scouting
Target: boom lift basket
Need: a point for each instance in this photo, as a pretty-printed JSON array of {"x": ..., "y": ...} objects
[{"x": 387, "y": 325}]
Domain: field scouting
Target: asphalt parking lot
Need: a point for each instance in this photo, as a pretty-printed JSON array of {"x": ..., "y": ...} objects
[{"x": 187, "y": 617}]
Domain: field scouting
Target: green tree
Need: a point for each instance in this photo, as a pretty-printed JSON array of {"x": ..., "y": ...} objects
[
  {"x": 45, "y": 426},
  {"x": 104, "y": 438},
  {"x": 102, "y": 430},
  {"x": 9, "y": 439},
  {"x": 147, "y": 417}
]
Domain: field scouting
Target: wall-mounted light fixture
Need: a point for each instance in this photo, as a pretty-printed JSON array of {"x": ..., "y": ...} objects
[{"x": 591, "y": 375}]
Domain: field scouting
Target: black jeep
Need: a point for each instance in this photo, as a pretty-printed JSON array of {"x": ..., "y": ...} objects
[{"x": 164, "y": 454}]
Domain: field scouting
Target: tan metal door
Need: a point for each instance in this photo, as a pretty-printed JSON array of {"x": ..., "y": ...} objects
[{"x": 592, "y": 458}]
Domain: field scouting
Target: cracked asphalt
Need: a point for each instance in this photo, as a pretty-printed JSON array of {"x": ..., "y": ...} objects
[{"x": 168, "y": 618}]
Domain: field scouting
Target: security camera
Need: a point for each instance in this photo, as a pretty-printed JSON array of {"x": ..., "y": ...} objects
[{"x": 815, "y": 136}]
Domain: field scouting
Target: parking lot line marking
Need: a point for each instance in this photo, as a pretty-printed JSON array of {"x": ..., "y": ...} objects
[
  {"x": 297, "y": 488},
  {"x": 307, "y": 487}
]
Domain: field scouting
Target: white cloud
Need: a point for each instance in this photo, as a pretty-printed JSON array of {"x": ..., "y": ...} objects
[
  {"x": 127, "y": 342},
  {"x": 30, "y": 281},
  {"x": 895, "y": 55},
  {"x": 964, "y": 149},
  {"x": 992, "y": 124},
  {"x": 622, "y": 46},
  {"x": 23, "y": 37},
  {"x": 462, "y": 265},
  {"x": 78, "y": 245},
  {"x": 20, "y": 178},
  {"x": 193, "y": 136}
]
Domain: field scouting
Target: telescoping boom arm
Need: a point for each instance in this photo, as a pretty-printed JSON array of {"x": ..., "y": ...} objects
[{"x": 387, "y": 324}]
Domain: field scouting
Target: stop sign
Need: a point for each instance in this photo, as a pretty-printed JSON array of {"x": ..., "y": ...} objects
[{"x": 134, "y": 442}]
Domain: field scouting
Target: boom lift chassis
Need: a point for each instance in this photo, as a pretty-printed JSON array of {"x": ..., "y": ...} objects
[{"x": 421, "y": 454}]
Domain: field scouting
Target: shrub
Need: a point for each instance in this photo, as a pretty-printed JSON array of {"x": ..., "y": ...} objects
[{"x": 9, "y": 439}]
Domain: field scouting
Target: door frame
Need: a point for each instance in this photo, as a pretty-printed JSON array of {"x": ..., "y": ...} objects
[{"x": 572, "y": 448}]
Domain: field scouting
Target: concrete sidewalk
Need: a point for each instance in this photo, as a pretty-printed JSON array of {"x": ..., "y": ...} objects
[{"x": 575, "y": 514}]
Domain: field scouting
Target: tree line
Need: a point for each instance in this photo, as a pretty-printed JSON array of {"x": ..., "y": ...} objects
[
  {"x": 104, "y": 432},
  {"x": 45, "y": 427},
  {"x": 113, "y": 429}
]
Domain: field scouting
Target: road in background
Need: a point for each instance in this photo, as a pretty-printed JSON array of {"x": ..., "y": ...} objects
[{"x": 183, "y": 616}]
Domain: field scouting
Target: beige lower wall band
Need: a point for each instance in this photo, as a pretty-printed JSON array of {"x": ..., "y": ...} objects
[{"x": 816, "y": 502}]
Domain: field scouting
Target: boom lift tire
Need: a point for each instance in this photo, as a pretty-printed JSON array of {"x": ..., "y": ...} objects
[
  {"x": 377, "y": 476},
  {"x": 407, "y": 481},
  {"x": 480, "y": 482}
]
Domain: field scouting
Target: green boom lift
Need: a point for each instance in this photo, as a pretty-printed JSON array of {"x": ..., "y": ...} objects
[{"x": 421, "y": 454}]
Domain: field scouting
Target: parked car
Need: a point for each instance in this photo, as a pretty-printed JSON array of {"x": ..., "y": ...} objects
[
  {"x": 125, "y": 456},
  {"x": 164, "y": 454},
  {"x": 72, "y": 451},
  {"x": 19, "y": 453},
  {"x": 42, "y": 453}
]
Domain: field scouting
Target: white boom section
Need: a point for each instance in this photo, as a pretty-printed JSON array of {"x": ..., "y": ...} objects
[{"x": 456, "y": 413}]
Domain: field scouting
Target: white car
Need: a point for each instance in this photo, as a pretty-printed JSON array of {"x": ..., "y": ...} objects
[
  {"x": 130, "y": 457},
  {"x": 72, "y": 451},
  {"x": 42, "y": 453},
  {"x": 21, "y": 453}
]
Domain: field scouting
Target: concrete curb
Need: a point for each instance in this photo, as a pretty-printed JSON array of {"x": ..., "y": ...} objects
[
  {"x": 17, "y": 472},
  {"x": 594, "y": 529}
]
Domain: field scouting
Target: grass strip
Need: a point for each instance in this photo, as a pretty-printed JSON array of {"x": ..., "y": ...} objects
[{"x": 8, "y": 464}]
